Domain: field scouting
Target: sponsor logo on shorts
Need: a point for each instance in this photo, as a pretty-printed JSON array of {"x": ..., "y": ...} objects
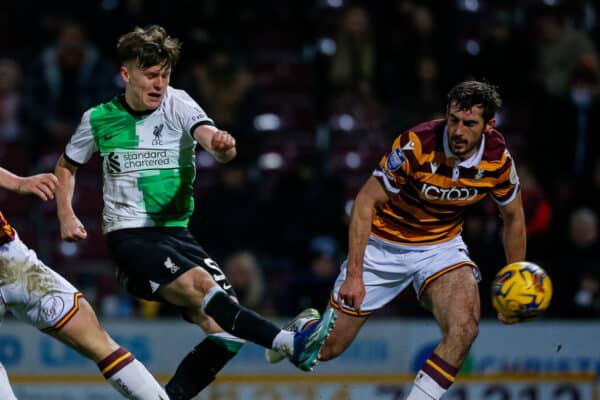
[
  {"x": 52, "y": 307},
  {"x": 171, "y": 266}
]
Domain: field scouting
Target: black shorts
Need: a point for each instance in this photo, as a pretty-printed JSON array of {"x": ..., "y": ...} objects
[{"x": 149, "y": 257}]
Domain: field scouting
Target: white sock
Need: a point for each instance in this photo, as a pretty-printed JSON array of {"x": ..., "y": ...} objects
[
  {"x": 6, "y": 392},
  {"x": 425, "y": 388},
  {"x": 129, "y": 377},
  {"x": 284, "y": 342},
  {"x": 135, "y": 382}
]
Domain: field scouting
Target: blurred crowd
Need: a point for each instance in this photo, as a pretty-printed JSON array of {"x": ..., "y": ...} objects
[{"x": 315, "y": 92}]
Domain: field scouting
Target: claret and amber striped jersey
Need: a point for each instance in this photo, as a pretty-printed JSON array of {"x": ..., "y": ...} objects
[
  {"x": 7, "y": 232},
  {"x": 430, "y": 189}
]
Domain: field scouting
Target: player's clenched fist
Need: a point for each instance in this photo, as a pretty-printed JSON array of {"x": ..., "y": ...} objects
[
  {"x": 222, "y": 141},
  {"x": 71, "y": 229},
  {"x": 42, "y": 185}
]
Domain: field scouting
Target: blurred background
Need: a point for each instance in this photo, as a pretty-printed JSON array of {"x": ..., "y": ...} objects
[{"x": 315, "y": 92}]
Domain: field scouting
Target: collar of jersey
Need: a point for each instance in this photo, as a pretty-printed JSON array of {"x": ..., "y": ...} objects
[
  {"x": 131, "y": 110},
  {"x": 469, "y": 162}
]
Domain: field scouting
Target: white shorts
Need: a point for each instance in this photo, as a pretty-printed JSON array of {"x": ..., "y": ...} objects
[
  {"x": 33, "y": 292},
  {"x": 389, "y": 269}
]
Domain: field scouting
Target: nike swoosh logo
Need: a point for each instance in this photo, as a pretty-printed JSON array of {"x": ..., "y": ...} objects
[{"x": 108, "y": 137}]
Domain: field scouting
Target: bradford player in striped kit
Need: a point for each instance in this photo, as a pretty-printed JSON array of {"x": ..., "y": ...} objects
[
  {"x": 405, "y": 228},
  {"x": 39, "y": 296}
]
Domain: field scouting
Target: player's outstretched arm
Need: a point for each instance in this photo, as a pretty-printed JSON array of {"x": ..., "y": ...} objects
[
  {"x": 42, "y": 185},
  {"x": 217, "y": 142},
  {"x": 71, "y": 228}
]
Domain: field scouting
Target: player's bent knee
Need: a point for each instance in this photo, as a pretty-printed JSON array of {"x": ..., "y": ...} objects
[{"x": 193, "y": 285}]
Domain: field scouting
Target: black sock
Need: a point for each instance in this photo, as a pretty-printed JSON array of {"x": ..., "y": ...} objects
[
  {"x": 240, "y": 321},
  {"x": 199, "y": 368}
]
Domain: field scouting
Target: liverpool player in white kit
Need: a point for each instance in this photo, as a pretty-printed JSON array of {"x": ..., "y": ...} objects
[{"x": 147, "y": 138}]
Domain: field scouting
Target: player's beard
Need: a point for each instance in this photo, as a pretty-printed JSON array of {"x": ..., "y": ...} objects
[{"x": 465, "y": 149}]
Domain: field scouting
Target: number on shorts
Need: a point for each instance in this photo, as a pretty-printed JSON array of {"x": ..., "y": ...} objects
[{"x": 218, "y": 274}]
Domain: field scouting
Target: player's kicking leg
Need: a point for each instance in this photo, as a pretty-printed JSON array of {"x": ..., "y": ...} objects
[
  {"x": 198, "y": 293},
  {"x": 340, "y": 338},
  {"x": 301, "y": 321},
  {"x": 200, "y": 367},
  {"x": 199, "y": 288},
  {"x": 127, "y": 375}
]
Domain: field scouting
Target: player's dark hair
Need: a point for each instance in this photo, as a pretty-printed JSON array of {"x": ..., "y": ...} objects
[
  {"x": 148, "y": 46},
  {"x": 467, "y": 94}
]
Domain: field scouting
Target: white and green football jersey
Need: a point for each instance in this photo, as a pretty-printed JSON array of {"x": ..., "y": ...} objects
[{"x": 148, "y": 159}]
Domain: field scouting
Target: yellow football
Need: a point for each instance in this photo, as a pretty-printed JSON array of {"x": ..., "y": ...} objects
[{"x": 521, "y": 291}]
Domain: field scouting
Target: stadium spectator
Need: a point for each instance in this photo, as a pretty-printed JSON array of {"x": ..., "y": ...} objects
[
  {"x": 247, "y": 279},
  {"x": 311, "y": 285},
  {"x": 538, "y": 214},
  {"x": 353, "y": 64},
  {"x": 65, "y": 79},
  {"x": 11, "y": 125},
  {"x": 224, "y": 207},
  {"x": 574, "y": 121},
  {"x": 560, "y": 49},
  {"x": 583, "y": 247},
  {"x": 222, "y": 83},
  {"x": 219, "y": 80}
]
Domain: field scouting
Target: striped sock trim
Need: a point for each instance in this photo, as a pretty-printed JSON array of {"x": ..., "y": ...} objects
[
  {"x": 212, "y": 292},
  {"x": 115, "y": 362},
  {"x": 232, "y": 343},
  {"x": 440, "y": 371}
]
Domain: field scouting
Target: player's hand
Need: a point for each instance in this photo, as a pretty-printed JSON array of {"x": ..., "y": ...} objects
[
  {"x": 42, "y": 185},
  {"x": 72, "y": 230},
  {"x": 222, "y": 141},
  {"x": 352, "y": 292},
  {"x": 505, "y": 320}
]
